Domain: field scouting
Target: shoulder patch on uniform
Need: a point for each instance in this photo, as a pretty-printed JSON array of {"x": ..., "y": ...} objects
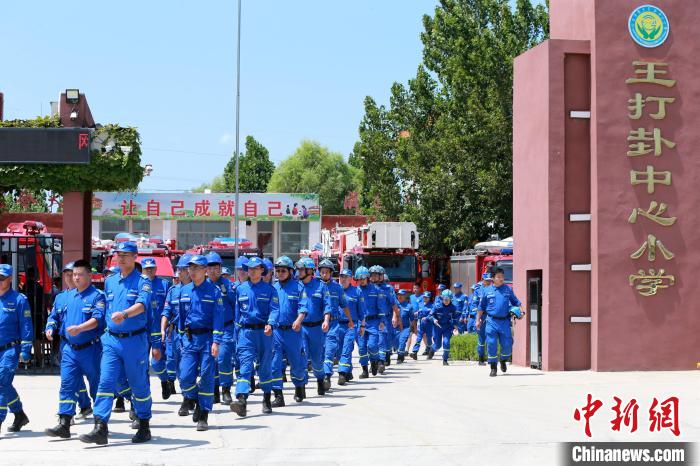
[
  {"x": 146, "y": 287},
  {"x": 100, "y": 304},
  {"x": 27, "y": 313},
  {"x": 220, "y": 301}
]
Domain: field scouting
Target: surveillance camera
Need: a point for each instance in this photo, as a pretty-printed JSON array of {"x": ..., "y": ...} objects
[
  {"x": 74, "y": 115},
  {"x": 126, "y": 149},
  {"x": 108, "y": 148},
  {"x": 148, "y": 169}
]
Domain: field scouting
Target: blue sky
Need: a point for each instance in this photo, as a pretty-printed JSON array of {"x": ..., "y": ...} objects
[{"x": 168, "y": 68}]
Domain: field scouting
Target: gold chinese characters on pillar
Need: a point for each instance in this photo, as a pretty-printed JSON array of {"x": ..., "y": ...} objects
[{"x": 643, "y": 142}]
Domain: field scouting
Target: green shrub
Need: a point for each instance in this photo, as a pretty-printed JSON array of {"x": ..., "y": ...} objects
[{"x": 463, "y": 347}]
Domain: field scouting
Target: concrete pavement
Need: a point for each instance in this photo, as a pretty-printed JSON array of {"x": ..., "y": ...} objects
[{"x": 417, "y": 413}]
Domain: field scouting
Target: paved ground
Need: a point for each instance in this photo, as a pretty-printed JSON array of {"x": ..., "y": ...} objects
[{"x": 417, "y": 413}]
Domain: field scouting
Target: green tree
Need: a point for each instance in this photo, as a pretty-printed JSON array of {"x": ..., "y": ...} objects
[
  {"x": 446, "y": 138},
  {"x": 217, "y": 185},
  {"x": 315, "y": 169},
  {"x": 254, "y": 169}
]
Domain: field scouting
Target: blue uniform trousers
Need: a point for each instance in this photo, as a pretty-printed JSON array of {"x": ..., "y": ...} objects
[
  {"x": 172, "y": 351},
  {"x": 441, "y": 339},
  {"x": 287, "y": 344},
  {"x": 369, "y": 343},
  {"x": 345, "y": 361},
  {"x": 158, "y": 367},
  {"x": 404, "y": 336},
  {"x": 124, "y": 357},
  {"x": 196, "y": 360},
  {"x": 315, "y": 340},
  {"x": 225, "y": 359},
  {"x": 334, "y": 340},
  {"x": 425, "y": 328},
  {"x": 74, "y": 365},
  {"x": 9, "y": 399},
  {"x": 481, "y": 340},
  {"x": 471, "y": 325},
  {"x": 498, "y": 331},
  {"x": 253, "y": 345},
  {"x": 82, "y": 393}
]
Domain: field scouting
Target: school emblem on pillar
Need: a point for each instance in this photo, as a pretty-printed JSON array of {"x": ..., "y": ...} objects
[{"x": 649, "y": 26}]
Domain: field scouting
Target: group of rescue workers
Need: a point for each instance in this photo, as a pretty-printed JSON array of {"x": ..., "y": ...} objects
[{"x": 207, "y": 327}]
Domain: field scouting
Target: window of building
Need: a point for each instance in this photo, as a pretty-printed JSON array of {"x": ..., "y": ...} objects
[
  {"x": 194, "y": 233},
  {"x": 109, "y": 227},
  {"x": 141, "y": 227},
  {"x": 294, "y": 236},
  {"x": 265, "y": 242}
]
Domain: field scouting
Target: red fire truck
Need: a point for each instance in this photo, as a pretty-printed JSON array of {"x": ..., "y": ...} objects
[
  {"x": 148, "y": 246},
  {"x": 469, "y": 266}
]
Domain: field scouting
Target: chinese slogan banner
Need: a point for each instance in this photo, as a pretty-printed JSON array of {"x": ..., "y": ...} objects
[{"x": 215, "y": 206}]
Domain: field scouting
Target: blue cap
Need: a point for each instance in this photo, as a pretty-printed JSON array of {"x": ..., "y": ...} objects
[
  {"x": 114, "y": 269},
  {"x": 225, "y": 271},
  {"x": 5, "y": 270},
  {"x": 457, "y": 285},
  {"x": 197, "y": 260},
  {"x": 183, "y": 261},
  {"x": 68, "y": 267},
  {"x": 148, "y": 262},
  {"x": 427, "y": 294},
  {"x": 402, "y": 292},
  {"x": 213, "y": 258},
  {"x": 486, "y": 276},
  {"x": 267, "y": 263},
  {"x": 255, "y": 262},
  {"x": 127, "y": 246},
  {"x": 346, "y": 272},
  {"x": 442, "y": 287},
  {"x": 242, "y": 263}
]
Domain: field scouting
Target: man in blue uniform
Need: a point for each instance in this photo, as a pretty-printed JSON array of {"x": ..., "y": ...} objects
[
  {"x": 393, "y": 326},
  {"x": 341, "y": 320},
  {"x": 224, "y": 362},
  {"x": 160, "y": 290},
  {"x": 408, "y": 321},
  {"x": 287, "y": 335},
  {"x": 368, "y": 346},
  {"x": 444, "y": 315},
  {"x": 125, "y": 346},
  {"x": 55, "y": 325},
  {"x": 169, "y": 325},
  {"x": 486, "y": 281},
  {"x": 318, "y": 316},
  {"x": 469, "y": 311},
  {"x": 257, "y": 314},
  {"x": 356, "y": 305},
  {"x": 425, "y": 325},
  {"x": 459, "y": 300},
  {"x": 387, "y": 308},
  {"x": 16, "y": 337},
  {"x": 83, "y": 322},
  {"x": 268, "y": 271},
  {"x": 201, "y": 317},
  {"x": 496, "y": 301}
]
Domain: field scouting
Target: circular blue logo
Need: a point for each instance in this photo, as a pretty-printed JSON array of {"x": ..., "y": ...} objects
[{"x": 649, "y": 26}]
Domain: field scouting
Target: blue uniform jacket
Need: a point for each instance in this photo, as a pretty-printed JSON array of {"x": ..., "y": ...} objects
[
  {"x": 356, "y": 303},
  {"x": 82, "y": 307},
  {"x": 445, "y": 315},
  {"x": 257, "y": 304},
  {"x": 338, "y": 301},
  {"x": 460, "y": 302},
  {"x": 121, "y": 294},
  {"x": 202, "y": 307},
  {"x": 16, "y": 321},
  {"x": 171, "y": 309},
  {"x": 228, "y": 294},
  {"x": 407, "y": 315},
  {"x": 416, "y": 300},
  {"x": 387, "y": 299},
  {"x": 370, "y": 292},
  {"x": 497, "y": 301},
  {"x": 58, "y": 312},
  {"x": 291, "y": 303},
  {"x": 318, "y": 300}
]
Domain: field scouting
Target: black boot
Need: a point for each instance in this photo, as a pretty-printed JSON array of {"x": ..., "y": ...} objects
[
  {"x": 341, "y": 378},
  {"x": 171, "y": 384},
  {"x": 226, "y": 396},
  {"x": 84, "y": 412},
  {"x": 365, "y": 373},
  {"x": 202, "y": 424},
  {"x": 299, "y": 394},
  {"x": 445, "y": 363},
  {"x": 132, "y": 413},
  {"x": 327, "y": 383},
  {"x": 135, "y": 423},
  {"x": 399, "y": 359},
  {"x": 197, "y": 412},
  {"x": 267, "y": 403},
  {"x": 144, "y": 432},
  {"x": 184, "y": 408},
  {"x": 252, "y": 384},
  {"x": 119, "y": 405},
  {"x": 284, "y": 376},
  {"x": 165, "y": 389},
  {"x": 494, "y": 370},
  {"x": 239, "y": 406},
  {"x": 308, "y": 367},
  {"x": 319, "y": 387},
  {"x": 431, "y": 353},
  {"x": 20, "y": 421},
  {"x": 503, "y": 366},
  {"x": 373, "y": 367},
  {"x": 482, "y": 361},
  {"x": 217, "y": 394},
  {"x": 349, "y": 376},
  {"x": 62, "y": 430},
  {"x": 387, "y": 359},
  {"x": 98, "y": 435},
  {"x": 425, "y": 353},
  {"x": 381, "y": 367},
  {"x": 414, "y": 355},
  {"x": 279, "y": 399}
]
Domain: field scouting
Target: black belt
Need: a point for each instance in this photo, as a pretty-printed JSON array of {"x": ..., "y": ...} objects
[
  {"x": 284, "y": 327},
  {"x": 226, "y": 324},
  {"x": 126, "y": 334},
  {"x": 85, "y": 345},
  {"x": 197, "y": 331},
  {"x": 374, "y": 317},
  {"x": 499, "y": 318},
  {"x": 254, "y": 326},
  {"x": 10, "y": 345},
  {"x": 312, "y": 324}
]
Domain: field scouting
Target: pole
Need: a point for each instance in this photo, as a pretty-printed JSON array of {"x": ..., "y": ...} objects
[{"x": 238, "y": 117}]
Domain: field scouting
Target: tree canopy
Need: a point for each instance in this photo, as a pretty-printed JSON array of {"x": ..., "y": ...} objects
[{"x": 254, "y": 169}]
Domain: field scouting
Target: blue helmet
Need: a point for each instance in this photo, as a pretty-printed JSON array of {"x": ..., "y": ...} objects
[
  {"x": 225, "y": 271},
  {"x": 402, "y": 292},
  {"x": 361, "y": 272},
  {"x": 442, "y": 287},
  {"x": 184, "y": 261},
  {"x": 376, "y": 269},
  {"x": 346, "y": 273},
  {"x": 446, "y": 294},
  {"x": 268, "y": 265},
  {"x": 284, "y": 261},
  {"x": 457, "y": 285},
  {"x": 427, "y": 294},
  {"x": 68, "y": 267},
  {"x": 487, "y": 276},
  {"x": 255, "y": 262},
  {"x": 326, "y": 264},
  {"x": 308, "y": 263},
  {"x": 386, "y": 277},
  {"x": 213, "y": 258},
  {"x": 242, "y": 263}
]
